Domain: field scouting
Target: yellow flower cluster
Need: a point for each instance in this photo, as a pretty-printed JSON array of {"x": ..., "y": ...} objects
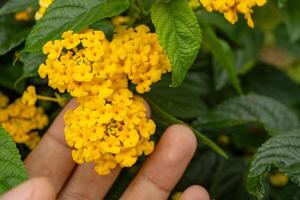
[
  {"x": 22, "y": 121},
  {"x": 110, "y": 126},
  {"x": 231, "y": 8},
  {"x": 133, "y": 54},
  {"x": 109, "y": 132},
  {"x": 44, "y": 4}
]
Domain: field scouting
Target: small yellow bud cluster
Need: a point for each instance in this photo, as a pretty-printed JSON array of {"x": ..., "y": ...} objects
[
  {"x": 29, "y": 96},
  {"x": 44, "y": 4},
  {"x": 25, "y": 15},
  {"x": 231, "y": 8},
  {"x": 110, "y": 126},
  {"x": 22, "y": 121}
]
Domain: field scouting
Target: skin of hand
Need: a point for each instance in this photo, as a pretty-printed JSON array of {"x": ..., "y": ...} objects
[{"x": 54, "y": 175}]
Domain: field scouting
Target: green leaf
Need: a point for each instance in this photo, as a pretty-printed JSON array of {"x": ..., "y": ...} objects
[
  {"x": 14, "y": 6},
  {"x": 281, "y": 151},
  {"x": 273, "y": 115},
  {"x": 222, "y": 53},
  {"x": 200, "y": 170},
  {"x": 179, "y": 34},
  {"x": 183, "y": 102},
  {"x": 166, "y": 120},
  {"x": 9, "y": 74},
  {"x": 275, "y": 84},
  {"x": 229, "y": 180},
  {"x": 12, "y": 33},
  {"x": 105, "y": 26},
  {"x": 12, "y": 170},
  {"x": 281, "y": 3},
  {"x": 292, "y": 19},
  {"x": 31, "y": 63},
  {"x": 71, "y": 15}
]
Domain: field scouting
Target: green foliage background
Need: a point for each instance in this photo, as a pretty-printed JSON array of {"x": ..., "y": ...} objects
[{"x": 230, "y": 81}]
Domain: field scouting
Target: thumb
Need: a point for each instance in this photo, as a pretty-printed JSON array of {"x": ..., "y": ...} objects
[{"x": 34, "y": 189}]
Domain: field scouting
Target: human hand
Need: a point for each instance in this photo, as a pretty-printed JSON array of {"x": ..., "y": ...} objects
[{"x": 65, "y": 180}]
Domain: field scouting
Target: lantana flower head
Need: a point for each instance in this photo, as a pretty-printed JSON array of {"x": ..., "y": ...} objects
[
  {"x": 231, "y": 8},
  {"x": 117, "y": 130},
  {"x": 22, "y": 122}
]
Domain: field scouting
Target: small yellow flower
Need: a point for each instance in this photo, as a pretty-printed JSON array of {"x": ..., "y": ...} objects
[{"x": 29, "y": 97}]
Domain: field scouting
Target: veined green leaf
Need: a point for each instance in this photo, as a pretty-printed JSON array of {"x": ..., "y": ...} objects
[
  {"x": 31, "y": 63},
  {"x": 273, "y": 115},
  {"x": 179, "y": 34},
  {"x": 281, "y": 151},
  {"x": 12, "y": 170},
  {"x": 223, "y": 54},
  {"x": 74, "y": 15},
  {"x": 183, "y": 102},
  {"x": 9, "y": 74},
  {"x": 229, "y": 180},
  {"x": 166, "y": 120},
  {"x": 13, "y": 6},
  {"x": 12, "y": 33}
]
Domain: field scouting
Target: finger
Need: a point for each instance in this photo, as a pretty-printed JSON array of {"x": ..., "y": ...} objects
[
  {"x": 195, "y": 193},
  {"x": 85, "y": 183},
  {"x": 34, "y": 189},
  {"x": 165, "y": 166},
  {"x": 52, "y": 157}
]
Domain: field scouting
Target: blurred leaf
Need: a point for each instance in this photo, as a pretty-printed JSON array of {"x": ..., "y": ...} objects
[
  {"x": 179, "y": 34},
  {"x": 9, "y": 74},
  {"x": 282, "y": 193},
  {"x": 200, "y": 170},
  {"x": 13, "y": 6},
  {"x": 281, "y": 36},
  {"x": 281, "y": 151},
  {"x": 292, "y": 21},
  {"x": 281, "y": 3},
  {"x": 71, "y": 15},
  {"x": 273, "y": 115},
  {"x": 165, "y": 119},
  {"x": 31, "y": 63},
  {"x": 183, "y": 102},
  {"x": 229, "y": 182},
  {"x": 12, "y": 33},
  {"x": 223, "y": 54},
  {"x": 220, "y": 74},
  {"x": 274, "y": 84},
  {"x": 12, "y": 170}
]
